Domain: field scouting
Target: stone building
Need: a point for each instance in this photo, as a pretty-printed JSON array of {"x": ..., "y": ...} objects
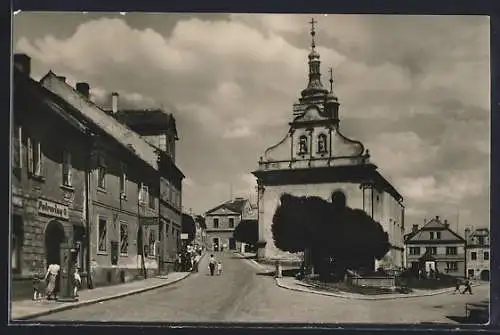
[
  {"x": 478, "y": 253},
  {"x": 314, "y": 158},
  {"x": 435, "y": 246},
  {"x": 158, "y": 128},
  {"x": 221, "y": 221},
  {"x": 127, "y": 237},
  {"x": 48, "y": 180}
]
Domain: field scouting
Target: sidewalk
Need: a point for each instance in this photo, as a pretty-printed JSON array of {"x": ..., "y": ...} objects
[
  {"x": 297, "y": 285},
  {"x": 27, "y": 309}
]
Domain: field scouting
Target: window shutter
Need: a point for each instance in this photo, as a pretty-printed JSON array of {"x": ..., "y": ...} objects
[
  {"x": 30, "y": 155},
  {"x": 40, "y": 159},
  {"x": 141, "y": 192}
]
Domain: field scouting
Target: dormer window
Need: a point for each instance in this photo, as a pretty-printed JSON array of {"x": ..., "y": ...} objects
[
  {"x": 322, "y": 144},
  {"x": 303, "y": 145}
]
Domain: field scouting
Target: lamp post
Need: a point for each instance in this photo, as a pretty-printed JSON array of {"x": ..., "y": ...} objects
[{"x": 66, "y": 274}]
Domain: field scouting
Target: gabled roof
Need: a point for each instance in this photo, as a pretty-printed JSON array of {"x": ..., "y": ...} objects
[
  {"x": 90, "y": 111},
  {"x": 422, "y": 235},
  {"x": 472, "y": 239},
  {"x": 237, "y": 205},
  {"x": 30, "y": 88}
]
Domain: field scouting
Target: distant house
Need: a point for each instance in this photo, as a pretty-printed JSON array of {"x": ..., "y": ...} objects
[
  {"x": 435, "y": 246},
  {"x": 478, "y": 253},
  {"x": 223, "y": 219}
]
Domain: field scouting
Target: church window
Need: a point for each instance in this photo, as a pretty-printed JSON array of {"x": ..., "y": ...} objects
[
  {"x": 322, "y": 144},
  {"x": 303, "y": 145}
]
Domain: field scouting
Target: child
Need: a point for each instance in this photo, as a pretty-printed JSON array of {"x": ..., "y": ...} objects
[
  {"x": 77, "y": 282},
  {"x": 37, "y": 288},
  {"x": 219, "y": 268}
]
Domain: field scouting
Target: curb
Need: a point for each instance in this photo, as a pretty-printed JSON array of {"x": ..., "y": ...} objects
[
  {"x": 311, "y": 291},
  {"x": 254, "y": 262},
  {"x": 95, "y": 301}
]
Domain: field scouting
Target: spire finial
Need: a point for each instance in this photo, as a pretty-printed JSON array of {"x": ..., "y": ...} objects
[
  {"x": 331, "y": 79},
  {"x": 313, "y": 33}
]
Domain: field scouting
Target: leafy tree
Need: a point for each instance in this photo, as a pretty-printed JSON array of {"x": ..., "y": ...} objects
[
  {"x": 247, "y": 231},
  {"x": 331, "y": 230}
]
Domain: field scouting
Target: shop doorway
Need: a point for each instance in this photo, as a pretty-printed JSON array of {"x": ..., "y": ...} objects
[
  {"x": 232, "y": 244},
  {"x": 485, "y": 275},
  {"x": 54, "y": 237}
]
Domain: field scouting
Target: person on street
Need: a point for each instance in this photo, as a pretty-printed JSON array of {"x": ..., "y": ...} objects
[
  {"x": 77, "y": 282},
  {"x": 468, "y": 287},
  {"x": 219, "y": 268},
  {"x": 196, "y": 262},
  {"x": 37, "y": 287},
  {"x": 457, "y": 287},
  {"x": 51, "y": 280},
  {"x": 212, "y": 264},
  {"x": 178, "y": 263}
]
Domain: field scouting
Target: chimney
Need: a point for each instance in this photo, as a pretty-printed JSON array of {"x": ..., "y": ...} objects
[
  {"x": 414, "y": 228},
  {"x": 84, "y": 89},
  {"x": 61, "y": 78},
  {"x": 437, "y": 217},
  {"x": 114, "y": 102},
  {"x": 23, "y": 63},
  {"x": 446, "y": 224}
]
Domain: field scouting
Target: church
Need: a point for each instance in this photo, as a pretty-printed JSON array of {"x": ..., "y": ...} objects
[{"x": 314, "y": 158}]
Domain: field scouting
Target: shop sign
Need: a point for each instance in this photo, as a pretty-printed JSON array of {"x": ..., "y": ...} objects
[{"x": 50, "y": 208}]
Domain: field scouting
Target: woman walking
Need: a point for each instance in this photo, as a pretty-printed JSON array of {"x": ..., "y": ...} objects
[{"x": 51, "y": 280}]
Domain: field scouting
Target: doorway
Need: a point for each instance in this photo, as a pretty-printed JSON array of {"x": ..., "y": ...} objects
[
  {"x": 215, "y": 242},
  {"x": 54, "y": 237},
  {"x": 485, "y": 275},
  {"x": 232, "y": 244}
]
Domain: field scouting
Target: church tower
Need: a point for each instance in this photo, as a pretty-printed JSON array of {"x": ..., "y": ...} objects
[{"x": 314, "y": 159}]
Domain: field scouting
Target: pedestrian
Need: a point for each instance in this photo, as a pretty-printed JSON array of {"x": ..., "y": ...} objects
[
  {"x": 211, "y": 264},
  {"x": 219, "y": 268},
  {"x": 468, "y": 287},
  {"x": 77, "y": 282},
  {"x": 178, "y": 263},
  {"x": 51, "y": 280},
  {"x": 196, "y": 262},
  {"x": 457, "y": 287},
  {"x": 37, "y": 287}
]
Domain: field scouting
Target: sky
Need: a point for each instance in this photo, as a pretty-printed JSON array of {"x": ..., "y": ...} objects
[{"x": 414, "y": 89}]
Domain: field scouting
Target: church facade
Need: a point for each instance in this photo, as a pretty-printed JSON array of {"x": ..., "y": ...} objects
[{"x": 314, "y": 158}]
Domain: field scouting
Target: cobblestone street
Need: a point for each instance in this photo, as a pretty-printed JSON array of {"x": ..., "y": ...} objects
[{"x": 245, "y": 294}]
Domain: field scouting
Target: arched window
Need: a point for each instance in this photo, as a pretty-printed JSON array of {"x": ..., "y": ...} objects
[
  {"x": 322, "y": 148},
  {"x": 303, "y": 145}
]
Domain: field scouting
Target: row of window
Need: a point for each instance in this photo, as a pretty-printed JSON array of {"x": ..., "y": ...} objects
[
  {"x": 321, "y": 144},
  {"x": 486, "y": 256},
  {"x": 432, "y": 250},
  {"x": 150, "y": 249},
  {"x": 216, "y": 223},
  {"x": 35, "y": 158}
]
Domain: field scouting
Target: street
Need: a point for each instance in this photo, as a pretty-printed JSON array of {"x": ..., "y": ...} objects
[{"x": 244, "y": 294}]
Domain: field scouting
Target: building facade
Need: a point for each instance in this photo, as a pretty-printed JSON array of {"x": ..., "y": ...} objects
[
  {"x": 314, "y": 158},
  {"x": 478, "y": 253},
  {"x": 48, "y": 181},
  {"x": 158, "y": 128},
  {"x": 221, "y": 221},
  {"x": 435, "y": 246}
]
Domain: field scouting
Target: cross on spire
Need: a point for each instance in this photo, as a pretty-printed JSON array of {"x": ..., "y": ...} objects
[{"x": 313, "y": 32}]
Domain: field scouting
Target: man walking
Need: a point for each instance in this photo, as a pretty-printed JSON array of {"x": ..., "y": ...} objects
[
  {"x": 211, "y": 265},
  {"x": 468, "y": 287}
]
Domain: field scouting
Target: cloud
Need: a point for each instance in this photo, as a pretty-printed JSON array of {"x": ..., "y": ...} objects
[{"x": 414, "y": 89}]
